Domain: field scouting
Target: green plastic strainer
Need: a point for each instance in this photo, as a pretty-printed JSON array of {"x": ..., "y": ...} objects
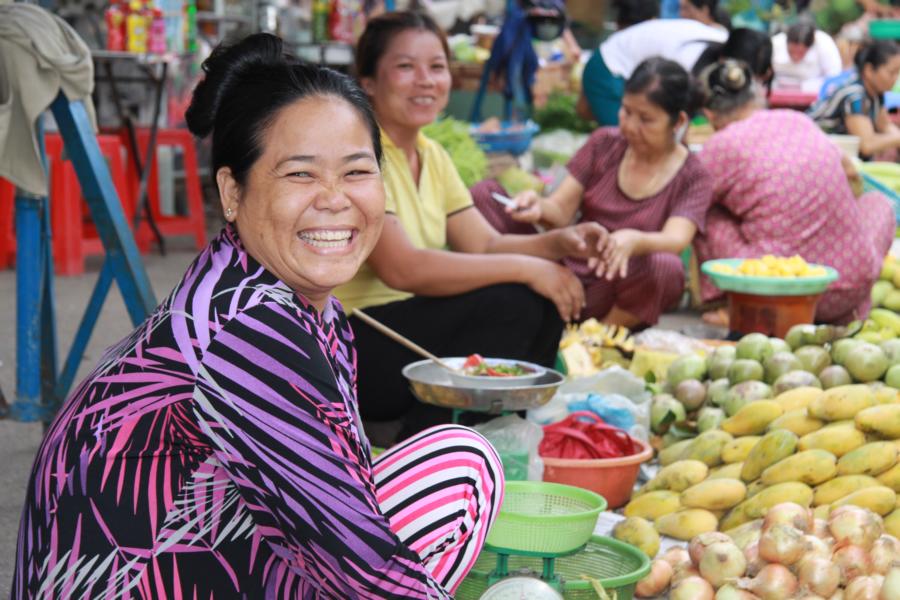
[
  {"x": 617, "y": 566},
  {"x": 545, "y": 518}
]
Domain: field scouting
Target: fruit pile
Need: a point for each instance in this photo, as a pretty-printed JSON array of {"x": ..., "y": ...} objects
[
  {"x": 816, "y": 448},
  {"x": 592, "y": 345},
  {"x": 786, "y": 554},
  {"x": 772, "y": 266}
]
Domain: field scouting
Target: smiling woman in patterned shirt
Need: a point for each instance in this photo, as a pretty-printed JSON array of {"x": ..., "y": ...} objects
[{"x": 217, "y": 452}]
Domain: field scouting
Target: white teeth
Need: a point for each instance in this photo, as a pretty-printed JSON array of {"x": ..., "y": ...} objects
[
  {"x": 423, "y": 101},
  {"x": 324, "y": 238}
]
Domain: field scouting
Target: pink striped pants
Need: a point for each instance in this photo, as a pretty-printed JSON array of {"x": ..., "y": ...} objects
[{"x": 441, "y": 491}]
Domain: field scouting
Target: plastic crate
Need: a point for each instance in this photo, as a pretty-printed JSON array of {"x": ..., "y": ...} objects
[{"x": 514, "y": 138}]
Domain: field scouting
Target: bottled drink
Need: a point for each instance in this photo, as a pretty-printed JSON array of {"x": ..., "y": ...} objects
[
  {"x": 321, "y": 9},
  {"x": 115, "y": 26},
  {"x": 156, "y": 42},
  {"x": 136, "y": 26},
  {"x": 190, "y": 26}
]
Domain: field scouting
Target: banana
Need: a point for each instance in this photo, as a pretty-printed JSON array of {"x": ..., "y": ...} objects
[
  {"x": 687, "y": 524},
  {"x": 673, "y": 453},
  {"x": 729, "y": 471},
  {"x": 714, "y": 494},
  {"x": 797, "y": 398},
  {"x": 869, "y": 459},
  {"x": 752, "y": 418},
  {"x": 773, "y": 447},
  {"x": 883, "y": 419},
  {"x": 811, "y": 467},
  {"x": 797, "y": 421},
  {"x": 737, "y": 449},
  {"x": 878, "y": 499},
  {"x": 653, "y": 504},
  {"x": 891, "y": 478},
  {"x": 887, "y": 319},
  {"x": 756, "y": 506},
  {"x": 838, "y": 440},
  {"x": 841, "y": 402},
  {"x": 678, "y": 476},
  {"x": 832, "y": 491},
  {"x": 892, "y": 523}
]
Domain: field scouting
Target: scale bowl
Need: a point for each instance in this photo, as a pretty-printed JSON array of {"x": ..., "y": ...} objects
[
  {"x": 433, "y": 384},
  {"x": 460, "y": 379}
]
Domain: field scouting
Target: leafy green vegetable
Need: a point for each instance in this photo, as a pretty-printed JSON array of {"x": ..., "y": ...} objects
[
  {"x": 559, "y": 113},
  {"x": 468, "y": 158}
]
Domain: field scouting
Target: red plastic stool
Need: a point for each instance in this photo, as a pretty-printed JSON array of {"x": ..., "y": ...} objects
[
  {"x": 7, "y": 227},
  {"x": 194, "y": 222},
  {"x": 74, "y": 235}
]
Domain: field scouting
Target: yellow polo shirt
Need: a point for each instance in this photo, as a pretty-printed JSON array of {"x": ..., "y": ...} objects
[{"x": 422, "y": 210}]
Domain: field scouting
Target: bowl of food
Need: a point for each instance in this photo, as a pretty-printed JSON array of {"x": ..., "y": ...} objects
[
  {"x": 474, "y": 371},
  {"x": 769, "y": 276}
]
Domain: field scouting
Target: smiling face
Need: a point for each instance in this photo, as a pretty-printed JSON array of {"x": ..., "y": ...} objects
[
  {"x": 313, "y": 204},
  {"x": 412, "y": 81},
  {"x": 645, "y": 125}
]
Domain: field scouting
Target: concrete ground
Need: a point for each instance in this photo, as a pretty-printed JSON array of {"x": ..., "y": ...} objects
[{"x": 19, "y": 441}]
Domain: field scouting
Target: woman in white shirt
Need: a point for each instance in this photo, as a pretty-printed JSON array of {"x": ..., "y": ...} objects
[{"x": 803, "y": 58}]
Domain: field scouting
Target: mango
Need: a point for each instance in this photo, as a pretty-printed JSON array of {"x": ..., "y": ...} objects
[
  {"x": 892, "y": 523},
  {"x": 832, "y": 491},
  {"x": 839, "y": 440},
  {"x": 773, "y": 447},
  {"x": 673, "y": 453},
  {"x": 638, "y": 532},
  {"x": 797, "y": 398},
  {"x": 678, "y": 476},
  {"x": 737, "y": 449},
  {"x": 653, "y": 504},
  {"x": 753, "y": 418},
  {"x": 797, "y": 421},
  {"x": 707, "y": 447},
  {"x": 811, "y": 467},
  {"x": 879, "y": 499},
  {"x": 756, "y": 506},
  {"x": 714, "y": 494},
  {"x": 755, "y": 487},
  {"x": 869, "y": 459},
  {"x": 687, "y": 524},
  {"x": 891, "y": 478},
  {"x": 842, "y": 402},
  {"x": 728, "y": 471},
  {"x": 822, "y": 512},
  {"x": 883, "y": 419}
]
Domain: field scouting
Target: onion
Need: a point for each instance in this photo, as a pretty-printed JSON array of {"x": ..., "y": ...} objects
[
  {"x": 789, "y": 513},
  {"x": 820, "y": 528},
  {"x": 854, "y": 525},
  {"x": 774, "y": 582},
  {"x": 819, "y": 576},
  {"x": 656, "y": 580},
  {"x": 754, "y": 562},
  {"x": 676, "y": 557},
  {"x": 683, "y": 573},
  {"x": 692, "y": 588},
  {"x": 730, "y": 592},
  {"x": 809, "y": 597},
  {"x": 890, "y": 589},
  {"x": 746, "y": 534},
  {"x": 722, "y": 563},
  {"x": 838, "y": 595},
  {"x": 780, "y": 543},
  {"x": 701, "y": 542},
  {"x": 863, "y": 588},
  {"x": 853, "y": 562},
  {"x": 885, "y": 551}
]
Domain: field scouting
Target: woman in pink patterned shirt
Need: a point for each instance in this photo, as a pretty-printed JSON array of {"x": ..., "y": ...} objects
[
  {"x": 640, "y": 183},
  {"x": 781, "y": 187}
]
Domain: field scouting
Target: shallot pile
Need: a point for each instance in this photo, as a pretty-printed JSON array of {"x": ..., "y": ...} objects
[{"x": 789, "y": 554}]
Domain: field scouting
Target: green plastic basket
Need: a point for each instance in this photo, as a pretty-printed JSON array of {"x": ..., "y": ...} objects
[
  {"x": 767, "y": 286},
  {"x": 617, "y": 565},
  {"x": 549, "y": 518}
]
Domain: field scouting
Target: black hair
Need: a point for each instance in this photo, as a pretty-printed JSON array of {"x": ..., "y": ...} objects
[
  {"x": 748, "y": 45},
  {"x": 802, "y": 33},
  {"x": 382, "y": 29},
  {"x": 632, "y": 12},
  {"x": 244, "y": 88},
  {"x": 666, "y": 84},
  {"x": 728, "y": 86},
  {"x": 875, "y": 53}
]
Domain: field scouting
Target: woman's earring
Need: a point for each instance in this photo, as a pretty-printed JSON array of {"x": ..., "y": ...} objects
[{"x": 228, "y": 212}]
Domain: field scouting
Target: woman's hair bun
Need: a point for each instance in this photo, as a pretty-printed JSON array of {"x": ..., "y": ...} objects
[
  {"x": 731, "y": 76},
  {"x": 224, "y": 70}
]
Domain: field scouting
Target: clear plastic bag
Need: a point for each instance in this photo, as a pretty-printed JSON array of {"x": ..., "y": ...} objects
[{"x": 516, "y": 441}]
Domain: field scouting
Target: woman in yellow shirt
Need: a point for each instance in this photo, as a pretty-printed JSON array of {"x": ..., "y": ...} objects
[{"x": 440, "y": 274}]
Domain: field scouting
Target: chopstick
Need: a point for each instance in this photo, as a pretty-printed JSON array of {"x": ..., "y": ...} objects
[{"x": 400, "y": 339}]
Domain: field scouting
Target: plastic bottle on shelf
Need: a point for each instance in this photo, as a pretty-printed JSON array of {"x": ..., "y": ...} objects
[
  {"x": 321, "y": 10},
  {"x": 190, "y": 26},
  {"x": 136, "y": 26},
  {"x": 115, "y": 26},
  {"x": 340, "y": 22},
  {"x": 156, "y": 42}
]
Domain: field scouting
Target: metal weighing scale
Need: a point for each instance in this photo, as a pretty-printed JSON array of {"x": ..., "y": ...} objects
[{"x": 525, "y": 582}]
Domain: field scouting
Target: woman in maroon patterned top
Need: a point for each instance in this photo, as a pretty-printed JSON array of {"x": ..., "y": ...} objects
[{"x": 640, "y": 183}]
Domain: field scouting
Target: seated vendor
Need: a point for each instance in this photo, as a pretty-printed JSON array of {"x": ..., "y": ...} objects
[
  {"x": 856, "y": 107},
  {"x": 803, "y": 58},
  {"x": 639, "y": 182},
  {"x": 780, "y": 187},
  {"x": 216, "y": 451},
  {"x": 440, "y": 274}
]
